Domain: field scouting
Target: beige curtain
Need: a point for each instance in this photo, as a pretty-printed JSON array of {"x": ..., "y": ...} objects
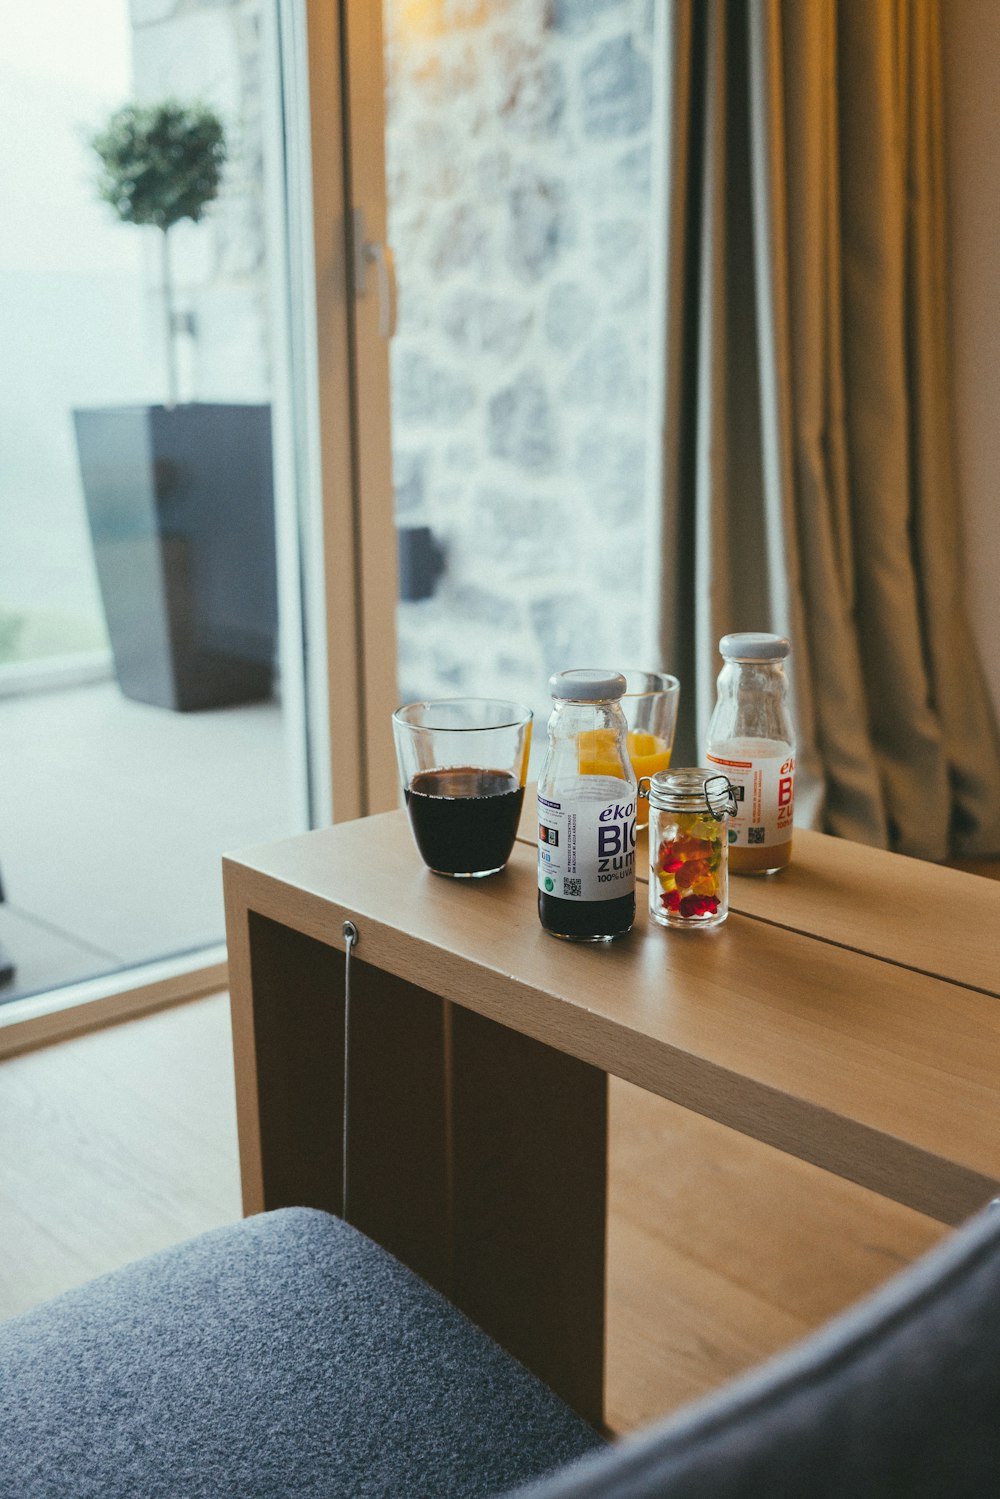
[{"x": 808, "y": 474}]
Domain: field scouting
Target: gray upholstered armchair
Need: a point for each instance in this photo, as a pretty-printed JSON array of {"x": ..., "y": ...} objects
[{"x": 289, "y": 1356}]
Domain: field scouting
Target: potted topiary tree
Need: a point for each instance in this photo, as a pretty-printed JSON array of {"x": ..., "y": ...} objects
[
  {"x": 179, "y": 495},
  {"x": 161, "y": 163}
]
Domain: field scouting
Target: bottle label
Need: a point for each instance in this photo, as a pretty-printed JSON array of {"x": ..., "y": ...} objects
[
  {"x": 765, "y": 795},
  {"x": 586, "y": 839}
]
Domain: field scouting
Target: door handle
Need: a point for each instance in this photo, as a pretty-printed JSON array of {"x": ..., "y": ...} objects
[
  {"x": 373, "y": 252},
  {"x": 382, "y": 258}
]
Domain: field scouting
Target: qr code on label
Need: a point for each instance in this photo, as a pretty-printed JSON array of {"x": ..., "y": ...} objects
[
  {"x": 755, "y": 835},
  {"x": 572, "y": 887}
]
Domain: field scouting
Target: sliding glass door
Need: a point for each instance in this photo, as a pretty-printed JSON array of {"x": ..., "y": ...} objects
[
  {"x": 160, "y": 487},
  {"x": 389, "y": 382},
  {"x": 509, "y": 163}
]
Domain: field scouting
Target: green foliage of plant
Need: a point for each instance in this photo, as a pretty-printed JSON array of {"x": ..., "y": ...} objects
[{"x": 160, "y": 162}]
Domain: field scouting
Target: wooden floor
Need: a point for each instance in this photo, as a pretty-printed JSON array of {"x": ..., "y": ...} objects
[
  {"x": 721, "y": 1250},
  {"x": 113, "y": 1145}
]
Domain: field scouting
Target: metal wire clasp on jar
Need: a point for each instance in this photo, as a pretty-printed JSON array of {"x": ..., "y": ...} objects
[{"x": 688, "y": 847}]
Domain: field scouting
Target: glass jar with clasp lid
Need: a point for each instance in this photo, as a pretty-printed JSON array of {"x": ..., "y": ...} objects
[{"x": 688, "y": 848}]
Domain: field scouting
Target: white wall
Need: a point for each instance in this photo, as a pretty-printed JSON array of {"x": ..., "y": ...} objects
[{"x": 971, "y": 30}]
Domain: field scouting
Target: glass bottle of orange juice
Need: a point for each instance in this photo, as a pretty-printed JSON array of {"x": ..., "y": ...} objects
[{"x": 751, "y": 740}]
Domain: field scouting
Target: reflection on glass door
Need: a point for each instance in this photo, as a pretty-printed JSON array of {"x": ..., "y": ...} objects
[
  {"x": 518, "y": 176},
  {"x": 144, "y": 680}
]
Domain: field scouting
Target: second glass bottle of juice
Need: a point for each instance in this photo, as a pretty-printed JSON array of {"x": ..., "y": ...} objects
[
  {"x": 586, "y": 811},
  {"x": 751, "y": 740}
]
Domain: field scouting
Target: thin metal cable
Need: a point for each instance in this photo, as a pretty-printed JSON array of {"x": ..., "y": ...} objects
[{"x": 350, "y": 933}]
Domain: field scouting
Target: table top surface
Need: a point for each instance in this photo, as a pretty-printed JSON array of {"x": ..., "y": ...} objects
[
  {"x": 920, "y": 915},
  {"x": 846, "y": 1011}
]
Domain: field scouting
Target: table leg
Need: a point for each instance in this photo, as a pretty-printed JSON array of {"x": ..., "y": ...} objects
[{"x": 286, "y": 994}]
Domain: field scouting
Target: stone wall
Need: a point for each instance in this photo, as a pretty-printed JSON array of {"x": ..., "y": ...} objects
[{"x": 518, "y": 163}]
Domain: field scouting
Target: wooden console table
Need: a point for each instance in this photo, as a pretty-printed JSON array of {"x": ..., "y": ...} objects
[{"x": 847, "y": 1013}]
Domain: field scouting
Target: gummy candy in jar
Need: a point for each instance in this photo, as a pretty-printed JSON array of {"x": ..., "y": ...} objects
[{"x": 688, "y": 847}]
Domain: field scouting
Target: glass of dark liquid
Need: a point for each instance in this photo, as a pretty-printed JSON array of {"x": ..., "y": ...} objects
[{"x": 463, "y": 762}]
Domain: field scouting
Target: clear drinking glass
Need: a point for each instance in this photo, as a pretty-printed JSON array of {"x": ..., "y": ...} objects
[
  {"x": 650, "y": 707},
  {"x": 463, "y": 763}
]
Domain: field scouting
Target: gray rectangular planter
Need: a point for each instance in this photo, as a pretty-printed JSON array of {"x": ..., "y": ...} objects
[{"x": 181, "y": 510}]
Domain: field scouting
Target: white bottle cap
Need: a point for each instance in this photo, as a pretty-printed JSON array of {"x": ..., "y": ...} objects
[
  {"x": 587, "y": 685},
  {"x": 752, "y": 647}
]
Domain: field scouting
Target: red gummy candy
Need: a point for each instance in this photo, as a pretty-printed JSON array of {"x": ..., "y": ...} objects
[
  {"x": 671, "y": 899},
  {"x": 671, "y": 866},
  {"x": 691, "y": 905}
]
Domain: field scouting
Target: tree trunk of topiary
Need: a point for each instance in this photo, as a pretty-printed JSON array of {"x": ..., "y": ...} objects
[{"x": 169, "y": 321}]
